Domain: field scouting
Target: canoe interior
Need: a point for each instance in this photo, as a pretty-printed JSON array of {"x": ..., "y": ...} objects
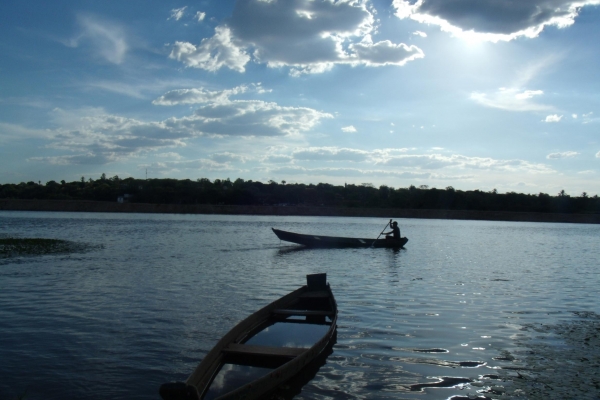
[
  {"x": 334, "y": 241},
  {"x": 241, "y": 375},
  {"x": 239, "y": 369},
  {"x": 268, "y": 348},
  {"x": 283, "y": 330}
]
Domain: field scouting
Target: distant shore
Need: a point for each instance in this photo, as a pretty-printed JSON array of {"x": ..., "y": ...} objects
[{"x": 114, "y": 207}]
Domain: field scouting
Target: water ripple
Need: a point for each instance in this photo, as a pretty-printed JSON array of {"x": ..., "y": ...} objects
[{"x": 160, "y": 290}]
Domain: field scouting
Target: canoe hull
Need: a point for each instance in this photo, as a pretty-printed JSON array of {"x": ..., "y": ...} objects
[
  {"x": 333, "y": 241},
  {"x": 232, "y": 345}
]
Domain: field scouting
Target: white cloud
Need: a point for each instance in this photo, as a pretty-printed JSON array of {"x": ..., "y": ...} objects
[
  {"x": 106, "y": 38},
  {"x": 79, "y": 159},
  {"x": 252, "y": 118},
  {"x": 114, "y": 137},
  {"x": 349, "y": 172},
  {"x": 136, "y": 88},
  {"x": 345, "y": 154},
  {"x": 101, "y": 139},
  {"x": 491, "y": 19},
  {"x": 598, "y": 154},
  {"x": 226, "y": 157},
  {"x": 118, "y": 87},
  {"x": 384, "y": 53},
  {"x": 528, "y": 94},
  {"x": 223, "y": 116},
  {"x": 197, "y": 96},
  {"x": 399, "y": 160},
  {"x": 553, "y": 118},
  {"x": 574, "y": 116},
  {"x": 306, "y": 69},
  {"x": 200, "y": 16},
  {"x": 349, "y": 129},
  {"x": 93, "y": 136},
  {"x": 277, "y": 159},
  {"x": 588, "y": 118},
  {"x": 170, "y": 167},
  {"x": 212, "y": 54},
  {"x": 439, "y": 161},
  {"x": 511, "y": 99},
  {"x": 564, "y": 154},
  {"x": 308, "y": 36},
  {"x": 330, "y": 154},
  {"x": 171, "y": 154},
  {"x": 177, "y": 13},
  {"x": 419, "y": 33},
  {"x": 380, "y": 155}
]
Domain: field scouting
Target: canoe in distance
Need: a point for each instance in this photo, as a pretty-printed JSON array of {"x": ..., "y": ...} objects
[
  {"x": 266, "y": 349},
  {"x": 333, "y": 241}
]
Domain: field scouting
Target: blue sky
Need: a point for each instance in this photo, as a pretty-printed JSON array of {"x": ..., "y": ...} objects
[{"x": 474, "y": 94}]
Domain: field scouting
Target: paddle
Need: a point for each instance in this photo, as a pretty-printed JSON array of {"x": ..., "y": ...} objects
[{"x": 390, "y": 224}]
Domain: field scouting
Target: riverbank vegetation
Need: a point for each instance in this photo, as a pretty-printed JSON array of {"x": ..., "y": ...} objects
[{"x": 241, "y": 192}]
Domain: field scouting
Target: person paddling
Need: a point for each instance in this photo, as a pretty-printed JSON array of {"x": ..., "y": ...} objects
[{"x": 395, "y": 232}]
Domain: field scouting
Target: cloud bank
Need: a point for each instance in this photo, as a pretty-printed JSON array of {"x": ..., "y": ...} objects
[
  {"x": 307, "y": 36},
  {"x": 492, "y": 20},
  {"x": 100, "y": 138}
]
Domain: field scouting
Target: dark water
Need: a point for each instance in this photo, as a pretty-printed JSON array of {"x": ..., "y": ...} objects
[{"x": 156, "y": 292}]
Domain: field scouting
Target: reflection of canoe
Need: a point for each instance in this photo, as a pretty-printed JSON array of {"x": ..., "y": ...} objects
[
  {"x": 266, "y": 349},
  {"x": 332, "y": 241}
]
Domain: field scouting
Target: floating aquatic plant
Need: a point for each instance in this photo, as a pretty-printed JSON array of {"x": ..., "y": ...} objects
[{"x": 10, "y": 246}]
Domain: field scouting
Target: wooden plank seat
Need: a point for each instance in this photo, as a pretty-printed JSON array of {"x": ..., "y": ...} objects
[
  {"x": 307, "y": 313},
  {"x": 237, "y": 349}
]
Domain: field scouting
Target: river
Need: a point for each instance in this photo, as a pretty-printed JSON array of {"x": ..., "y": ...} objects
[{"x": 153, "y": 293}]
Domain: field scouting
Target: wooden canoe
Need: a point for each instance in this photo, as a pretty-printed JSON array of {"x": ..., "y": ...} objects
[
  {"x": 266, "y": 349},
  {"x": 333, "y": 241}
]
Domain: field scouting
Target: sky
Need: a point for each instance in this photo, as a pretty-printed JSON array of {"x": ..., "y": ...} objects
[{"x": 473, "y": 94}]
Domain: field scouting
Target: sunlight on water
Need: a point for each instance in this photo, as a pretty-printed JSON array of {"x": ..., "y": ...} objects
[{"x": 434, "y": 320}]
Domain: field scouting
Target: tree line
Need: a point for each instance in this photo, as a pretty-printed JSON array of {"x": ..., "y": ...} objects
[{"x": 248, "y": 192}]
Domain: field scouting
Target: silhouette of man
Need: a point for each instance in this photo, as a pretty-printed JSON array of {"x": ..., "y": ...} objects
[{"x": 395, "y": 232}]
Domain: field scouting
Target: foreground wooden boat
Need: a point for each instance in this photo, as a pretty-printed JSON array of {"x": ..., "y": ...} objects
[
  {"x": 266, "y": 349},
  {"x": 333, "y": 241}
]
